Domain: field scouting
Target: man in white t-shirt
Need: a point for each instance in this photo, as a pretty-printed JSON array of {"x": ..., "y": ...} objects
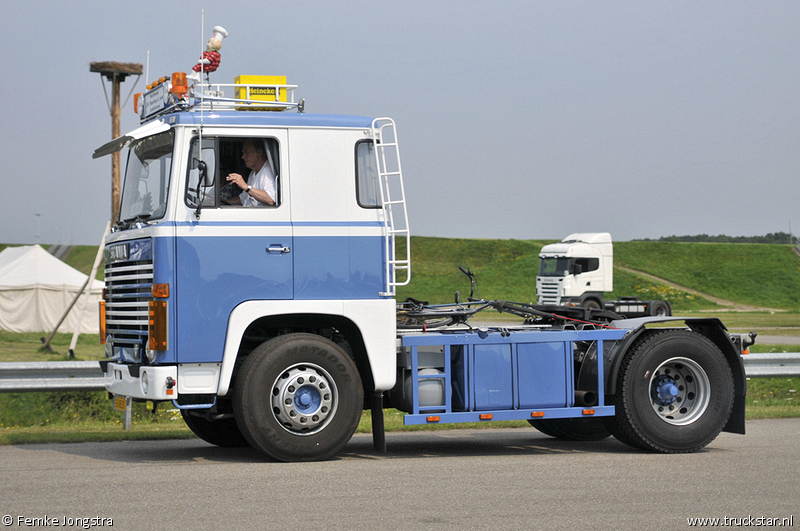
[{"x": 259, "y": 189}]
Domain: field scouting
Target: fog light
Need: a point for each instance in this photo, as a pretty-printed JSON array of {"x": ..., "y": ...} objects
[{"x": 145, "y": 383}]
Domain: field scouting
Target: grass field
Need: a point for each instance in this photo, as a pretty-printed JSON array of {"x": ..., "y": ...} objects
[{"x": 757, "y": 274}]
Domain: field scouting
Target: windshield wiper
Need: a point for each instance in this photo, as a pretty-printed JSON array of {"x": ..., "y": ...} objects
[{"x": 128, "y": 223}]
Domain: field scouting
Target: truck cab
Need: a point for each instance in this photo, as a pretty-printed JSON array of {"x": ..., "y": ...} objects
[
  {"x": 195, "y": 283},
  {"x": 576, "y": 270}
]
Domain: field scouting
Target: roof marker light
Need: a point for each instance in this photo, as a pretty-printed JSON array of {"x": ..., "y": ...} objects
[{"x": 179, "y": 84}]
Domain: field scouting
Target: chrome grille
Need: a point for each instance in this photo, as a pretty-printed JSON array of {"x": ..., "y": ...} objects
[
  {"x": 548, "y": 293},
  {"x": 128, "y": 292}
]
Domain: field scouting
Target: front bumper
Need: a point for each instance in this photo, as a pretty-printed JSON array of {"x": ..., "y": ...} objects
[{"x": 142, "y": 382}]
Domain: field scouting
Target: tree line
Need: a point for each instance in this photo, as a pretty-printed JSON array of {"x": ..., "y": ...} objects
[{"x": 772, "y": 237}]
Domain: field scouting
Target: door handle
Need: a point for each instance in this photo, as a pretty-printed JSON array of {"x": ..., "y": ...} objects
[{"x": 277, "y": 249}]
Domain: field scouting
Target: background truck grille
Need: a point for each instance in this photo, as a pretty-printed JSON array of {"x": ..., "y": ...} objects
[{"x": 549, "y": 293}]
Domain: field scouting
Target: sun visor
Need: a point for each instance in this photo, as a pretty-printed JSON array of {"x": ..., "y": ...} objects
[{"x": 118, "y": 143}]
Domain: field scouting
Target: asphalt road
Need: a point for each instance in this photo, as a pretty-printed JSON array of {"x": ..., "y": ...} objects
[
  {"x": 777, "y": 340},
  {"x": 462, "y": 479}
]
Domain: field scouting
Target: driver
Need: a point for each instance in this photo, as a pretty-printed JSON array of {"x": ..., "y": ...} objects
[{"x": 259, "y": 189}]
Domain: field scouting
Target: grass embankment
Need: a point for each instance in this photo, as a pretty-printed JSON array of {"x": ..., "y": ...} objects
[{"x": 757, "y": 275}]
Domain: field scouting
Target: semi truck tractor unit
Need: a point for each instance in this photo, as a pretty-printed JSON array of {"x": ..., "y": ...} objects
[
  {"x": 579, "y": 269},
  {"x": 273, "y": 323}
]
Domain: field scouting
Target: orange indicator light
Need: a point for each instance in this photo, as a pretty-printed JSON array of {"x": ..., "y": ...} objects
[
  {"x": 160, "y": 290},
  {"x": 102, "y": 316},
  {"x": 433, "y": 418},
  {"x": 588, "y": 411},
  {"x": 157, "y": 325},
  {"x": 486, "y": 416},
  {"x": 537, "y": 414}
]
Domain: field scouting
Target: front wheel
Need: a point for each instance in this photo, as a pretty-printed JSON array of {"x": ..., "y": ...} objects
[
  {"x": 298, "y": 397},
  {"x": 591, "y": 304},
  {"x": 674, "y": 393}
]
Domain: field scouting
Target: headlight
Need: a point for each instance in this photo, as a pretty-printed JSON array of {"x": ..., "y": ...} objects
[{"x": 145, "y": 382}]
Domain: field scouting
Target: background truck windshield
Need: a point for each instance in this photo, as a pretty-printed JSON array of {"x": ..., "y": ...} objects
[
  {"x": 144, "y": 192},
  {"x": 553, "y": 267}
]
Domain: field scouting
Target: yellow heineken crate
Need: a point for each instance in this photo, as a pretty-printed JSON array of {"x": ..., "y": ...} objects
[{"x": 260, "y": 93}]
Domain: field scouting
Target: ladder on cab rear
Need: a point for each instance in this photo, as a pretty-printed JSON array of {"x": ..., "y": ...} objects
[{"x": 397, "y": 238}]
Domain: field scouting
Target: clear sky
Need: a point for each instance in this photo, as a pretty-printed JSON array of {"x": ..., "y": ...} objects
[{"x": 516, "y": 119}]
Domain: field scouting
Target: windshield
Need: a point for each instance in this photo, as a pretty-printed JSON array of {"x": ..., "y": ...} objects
[
  {"x": 553, "y": 267},
  {"x": 144, "y": 193}
]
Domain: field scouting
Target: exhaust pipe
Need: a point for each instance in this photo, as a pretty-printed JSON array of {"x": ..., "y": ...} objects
[{"x": 585, "y": 398}]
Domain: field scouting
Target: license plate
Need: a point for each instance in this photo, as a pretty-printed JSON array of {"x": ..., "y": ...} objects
[{"x": 120, "y": 403}]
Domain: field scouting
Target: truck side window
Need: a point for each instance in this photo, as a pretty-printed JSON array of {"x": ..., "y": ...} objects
[
  {"x": 367, "y": 185},
  {"x": 267, "y": 175},
  {"x": 588, "y": 264},
  {"x": 220, "y": 157},
  {"x": 201, "y": 184}
]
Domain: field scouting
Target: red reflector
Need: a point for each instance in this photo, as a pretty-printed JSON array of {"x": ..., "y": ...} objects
[
  {"x": 433, "y": 418},
  {"x": 486, "y": 416},
  {"x": 588, "y": 411}
]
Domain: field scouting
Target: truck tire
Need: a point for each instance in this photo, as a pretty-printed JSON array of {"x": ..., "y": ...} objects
[
  {"x": 580, "y": 429},
  {"x": 223, "y": 432},
  {"x": 591, "y": 304},
  {"x": 674, "y": 393},
  {"x": 660, "y": 309},
  {"x": 298, "y": 397}
]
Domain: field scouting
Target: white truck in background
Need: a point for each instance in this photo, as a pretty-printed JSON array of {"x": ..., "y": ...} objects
[{"x": 577, "y": 271}]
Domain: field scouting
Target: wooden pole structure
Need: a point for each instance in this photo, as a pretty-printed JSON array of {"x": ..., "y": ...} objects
[{"x": 116, "y": 74}]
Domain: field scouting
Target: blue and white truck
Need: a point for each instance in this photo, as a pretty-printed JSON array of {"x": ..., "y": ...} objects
[{"x": 276, "y": 326}]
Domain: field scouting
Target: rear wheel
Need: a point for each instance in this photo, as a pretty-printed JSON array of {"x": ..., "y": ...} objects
[
  {"x": 298, "y": 397},
  {"x": 674, "y": 393},
  {"x": 660, "y": 309},
  {"x": 579, "y": 429}
]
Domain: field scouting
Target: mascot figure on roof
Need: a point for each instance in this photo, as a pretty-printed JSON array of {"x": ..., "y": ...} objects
[{"x": 210, "y": 60}]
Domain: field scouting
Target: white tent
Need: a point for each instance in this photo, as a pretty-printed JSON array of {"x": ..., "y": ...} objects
[{"x": 36, "y": 288}]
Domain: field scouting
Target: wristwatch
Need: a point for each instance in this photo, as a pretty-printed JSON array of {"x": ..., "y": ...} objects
[{"x": 248, "y": 188}]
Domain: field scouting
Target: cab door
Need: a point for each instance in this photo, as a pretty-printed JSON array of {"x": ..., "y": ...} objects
[{"x": 225, "y": 254}]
